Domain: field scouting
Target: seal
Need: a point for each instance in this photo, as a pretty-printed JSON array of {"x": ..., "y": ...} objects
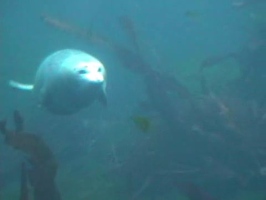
[{"x": 67, "y": 81}]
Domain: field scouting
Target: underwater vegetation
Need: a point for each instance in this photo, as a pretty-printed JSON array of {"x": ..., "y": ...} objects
[
  {"x": 143, "y": 123},
  {"x": 212, "y": 117}
]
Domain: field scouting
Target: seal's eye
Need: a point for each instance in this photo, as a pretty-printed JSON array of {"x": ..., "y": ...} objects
[
  {"x": 99, "y": 69},
  {"x": 82, "y": 71}
]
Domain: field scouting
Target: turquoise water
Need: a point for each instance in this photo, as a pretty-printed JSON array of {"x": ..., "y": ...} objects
[{"x": 191, "y": 72}]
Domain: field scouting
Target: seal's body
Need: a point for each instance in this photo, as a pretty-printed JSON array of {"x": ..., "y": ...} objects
[{"x": 67, "y": 81}]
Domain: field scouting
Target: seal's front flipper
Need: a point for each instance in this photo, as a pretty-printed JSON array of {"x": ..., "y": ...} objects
[
  {"x": 20, "y": 86},
  {"x": 102, "y": 98}
]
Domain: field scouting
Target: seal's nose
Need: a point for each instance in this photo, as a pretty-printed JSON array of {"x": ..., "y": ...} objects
[
  {"x": 95, "y": 77},
  {"x": 98, "y": 77}
]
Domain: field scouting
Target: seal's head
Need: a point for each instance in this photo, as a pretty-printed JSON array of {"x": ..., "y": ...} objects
[
  {"x": 92, "y": 78},
  {"x": 92, "y": 71}
]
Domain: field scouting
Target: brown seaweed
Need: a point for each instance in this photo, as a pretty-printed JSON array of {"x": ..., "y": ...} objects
[
  {"x": 129, "y": 27},
  {"x": 24, "y": 189},
  {"x": 43, "y": 163}
]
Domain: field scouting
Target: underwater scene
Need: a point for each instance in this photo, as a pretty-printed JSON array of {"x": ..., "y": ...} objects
[{"x": 133, "y": 100}]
